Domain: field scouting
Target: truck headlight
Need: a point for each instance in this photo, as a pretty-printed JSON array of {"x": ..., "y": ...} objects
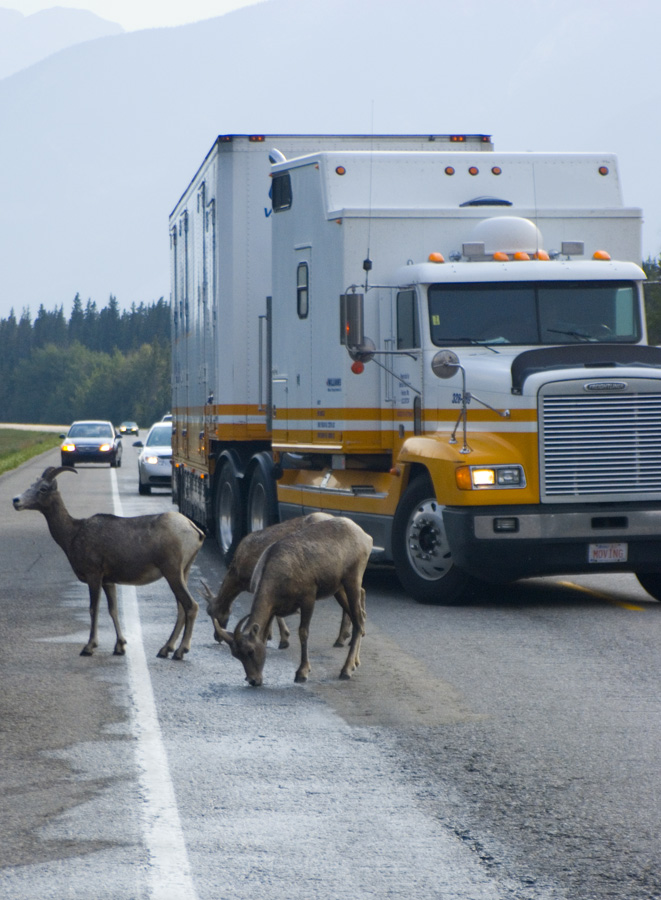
[{"x": 476, "y": 478}]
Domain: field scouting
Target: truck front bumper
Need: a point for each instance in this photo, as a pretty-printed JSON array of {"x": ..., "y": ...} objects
[{"x": 503, "y": 543}]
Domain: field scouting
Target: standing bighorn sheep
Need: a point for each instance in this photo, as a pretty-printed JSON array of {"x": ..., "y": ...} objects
[
  {"x": 328, "y": 557},
  {"x": 106, "y": 550},
  {"x": 241, "y": 569}
]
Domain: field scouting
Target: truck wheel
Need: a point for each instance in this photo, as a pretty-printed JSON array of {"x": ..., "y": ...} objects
[
  {"x": 651, "y": 581},
  {"x": 229, "y": 516},
  {"x": 420, "y": 548},
  {"x": 262, "y": 501}
]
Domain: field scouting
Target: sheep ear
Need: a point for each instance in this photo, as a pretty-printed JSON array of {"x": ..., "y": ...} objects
[{"x": 254, "y": 631}]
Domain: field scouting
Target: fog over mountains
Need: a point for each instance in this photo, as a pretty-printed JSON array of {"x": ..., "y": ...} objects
[
  {"x": 25, "y": 40},
  {"x": 100, "y": 139}
]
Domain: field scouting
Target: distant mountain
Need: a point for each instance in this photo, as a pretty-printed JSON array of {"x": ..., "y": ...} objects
[
  {"x": 25, "y": 40},
  {"x": 100, "y": 140}
]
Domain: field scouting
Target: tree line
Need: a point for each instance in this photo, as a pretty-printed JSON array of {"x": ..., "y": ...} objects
[
  {"x": 652, "y": 269},
  {"x": 100, "y": 363},
  {"x": 112, "y": 364}
]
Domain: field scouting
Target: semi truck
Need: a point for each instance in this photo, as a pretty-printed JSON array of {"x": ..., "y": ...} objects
[{"x": 444, "y": 343}]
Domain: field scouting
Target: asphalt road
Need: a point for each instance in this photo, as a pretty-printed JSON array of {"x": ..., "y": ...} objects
[{"x": 507, "y": 748}]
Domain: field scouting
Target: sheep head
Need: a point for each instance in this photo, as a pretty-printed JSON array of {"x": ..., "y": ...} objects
[
  {"x": 249, "y": 648},
  {"x": 40, "y": 494}
]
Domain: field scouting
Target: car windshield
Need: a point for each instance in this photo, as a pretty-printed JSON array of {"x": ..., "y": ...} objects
[
  {"x": 160, "y": 436},
  {"x": 562, "y": 312},
  {"x": 91, "y": 430}
]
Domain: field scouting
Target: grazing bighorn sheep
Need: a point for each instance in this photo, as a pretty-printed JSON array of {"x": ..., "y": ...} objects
[
  {"x": 327, "y": 558},
  {"x": 106, "y": 550},
  {"x": 240, "y": 572}
]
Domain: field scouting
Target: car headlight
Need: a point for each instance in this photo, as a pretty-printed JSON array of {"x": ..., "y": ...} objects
[
  {"x": 152, "y": 460},
  {"x": 479, "y": 478},
  {"x": 68, "y": 448},
  {"x": 104, "y": 448}
]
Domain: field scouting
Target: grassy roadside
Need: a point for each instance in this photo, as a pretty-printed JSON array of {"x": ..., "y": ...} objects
[{"x": 16, "y": 447}]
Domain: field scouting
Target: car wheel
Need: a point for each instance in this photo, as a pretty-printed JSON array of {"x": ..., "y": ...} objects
[{"x": 420, "y": 548}]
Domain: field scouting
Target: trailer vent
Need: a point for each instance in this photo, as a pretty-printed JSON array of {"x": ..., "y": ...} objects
[
  {"x": 486, "y": 201},
  {"x": 600, "y": 447}
]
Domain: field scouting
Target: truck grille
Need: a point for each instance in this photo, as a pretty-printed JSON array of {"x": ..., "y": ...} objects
[{"x": 601, "y": 447}]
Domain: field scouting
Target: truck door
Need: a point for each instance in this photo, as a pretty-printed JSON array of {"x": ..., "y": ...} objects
[{"x": 404, "y": 384}]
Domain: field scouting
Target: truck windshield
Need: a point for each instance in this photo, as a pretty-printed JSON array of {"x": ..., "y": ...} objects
[{"x": 559, "y": 312}]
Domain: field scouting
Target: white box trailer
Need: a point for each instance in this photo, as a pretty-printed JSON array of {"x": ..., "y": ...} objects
[
  {"x": 455, "y": 362},
  {"x": 220, "y": 262}
]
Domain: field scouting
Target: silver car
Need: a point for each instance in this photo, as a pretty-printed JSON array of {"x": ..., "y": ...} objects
[{"x": 155, "y": 459}]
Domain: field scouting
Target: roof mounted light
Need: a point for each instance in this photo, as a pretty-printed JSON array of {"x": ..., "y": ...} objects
[
  {"x": 601, "y": 254},
  {"x": 436, "y": 257}
]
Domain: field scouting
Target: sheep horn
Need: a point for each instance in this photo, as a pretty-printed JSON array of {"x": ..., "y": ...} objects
[
  {"x": 207, "y": 590},
  {"x": 51, "y": 473},
  {"x": 237, "y": 630}
]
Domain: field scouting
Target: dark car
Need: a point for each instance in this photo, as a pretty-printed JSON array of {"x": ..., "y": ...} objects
[
  {"x": 129, "y": 428},
  {"x": 91, "y": 442},
  {"x": 155, "y": 459}
]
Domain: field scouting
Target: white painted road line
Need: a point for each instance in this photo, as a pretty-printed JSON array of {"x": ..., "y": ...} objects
[{"x": 169, "y": 869}]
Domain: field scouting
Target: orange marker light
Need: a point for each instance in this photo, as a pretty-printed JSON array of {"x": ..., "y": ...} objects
[
  {"x": 601, "y": 254},
  {"x": 449, "y": 170},
  {"x": 542, "y": 254},
  {"x": 341, "y": 170},
  {"x": 463, "y": 478},
  {"x": 603, "y": 170},
  {"x": 473, "y": 170},
  {"x": 436, "y": 258},
  {"x": 521, "y": 254},
  {"x": 499, "y": 256},
  {"x": 357, "y": 368},
  {"x": 496, "y": 170}
]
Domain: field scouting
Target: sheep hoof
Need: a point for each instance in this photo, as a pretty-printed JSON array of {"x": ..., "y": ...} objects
[
  {"x": 179, "y": 654},
  {"x": 119, "y": 651},
  {"x": 283, "y": 645},
  {"x": 87, "y": 651},
  {"x": 300, "y": 678},
  {"x": 345, "y": 676},
  {"x": 163, "y": 653},
  {"x": 338, "y": 643}
]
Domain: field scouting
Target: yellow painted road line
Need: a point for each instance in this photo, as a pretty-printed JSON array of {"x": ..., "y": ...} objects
[{"x": 600, "y": 595}]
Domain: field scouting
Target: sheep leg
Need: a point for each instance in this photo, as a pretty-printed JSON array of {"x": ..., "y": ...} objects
[
  {"x": 284, "y": 633},
  {"x": 171, "y": 642},
  {"x": 95, "y": 596},
  {"x": 111, "y": 596},
  {"x": 186, "y": 613},
  {"x": 303, "y": 631},
  {"x": 356, "y": 601},
  {"x": 345, "y": 624}
]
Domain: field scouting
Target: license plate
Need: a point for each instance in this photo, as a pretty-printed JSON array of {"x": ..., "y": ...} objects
[{"x": 608, "y": 553}]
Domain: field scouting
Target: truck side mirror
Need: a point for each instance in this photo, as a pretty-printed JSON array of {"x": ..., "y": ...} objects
[{"x": 353, "y": 319}]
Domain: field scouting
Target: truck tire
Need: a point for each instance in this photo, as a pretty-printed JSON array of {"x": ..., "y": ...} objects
[
  {"x": 651, "y": 581},
  {"x": 420, "y": 548},
  {"x": 262, "y": 509},
  {"x": 229, "y": 514}
]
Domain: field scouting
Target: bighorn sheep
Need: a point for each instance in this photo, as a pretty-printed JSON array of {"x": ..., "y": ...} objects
[
  {"x": 106, "y": 550},
  {"x": 240, "y": 572},
  {"x": 326, "y": 558}
]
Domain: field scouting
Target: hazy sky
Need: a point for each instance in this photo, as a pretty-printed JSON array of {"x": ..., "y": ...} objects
[{"x": 133, "y": 15}]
